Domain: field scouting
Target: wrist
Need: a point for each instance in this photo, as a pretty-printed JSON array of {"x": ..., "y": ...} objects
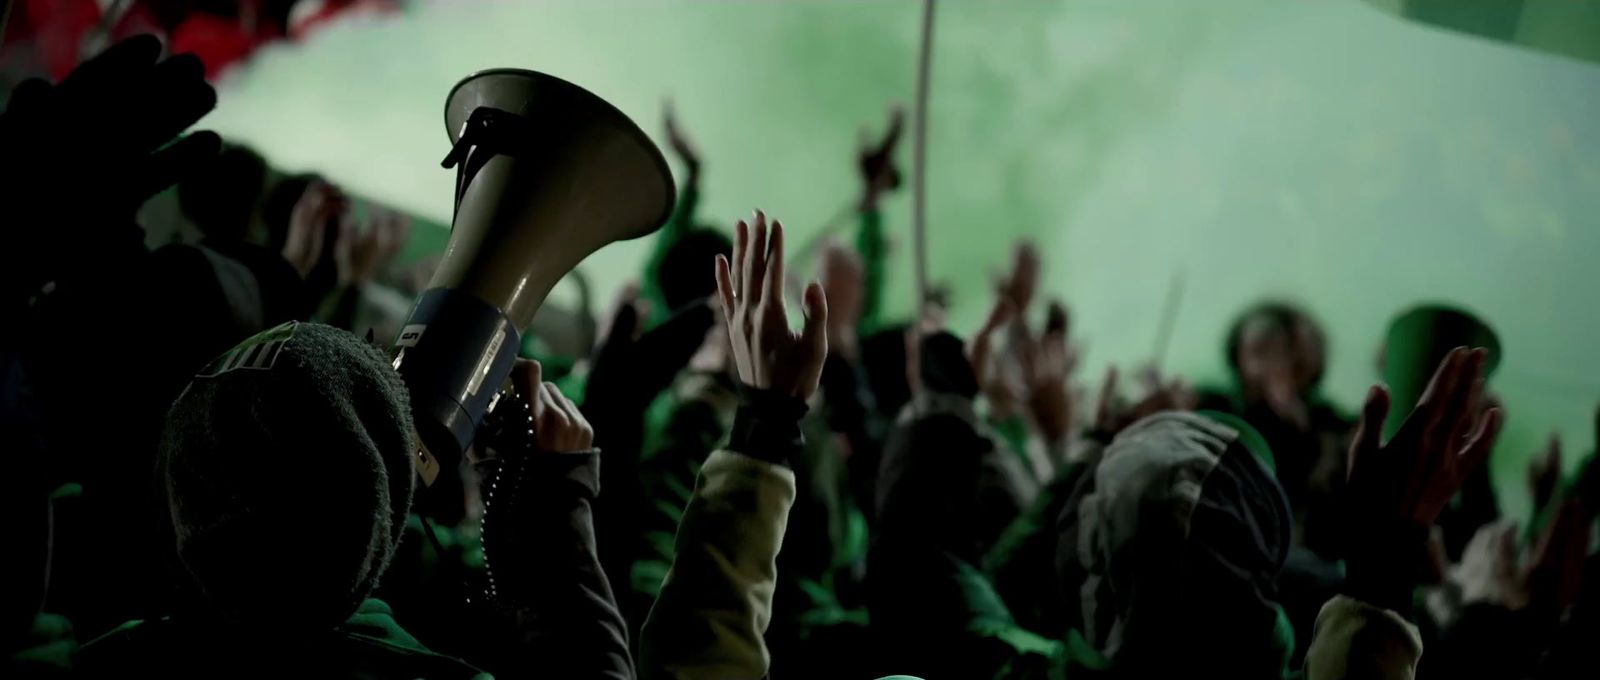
[
  {"x": 1383, "y": 563},
  {"x": 766, "y": 425}
]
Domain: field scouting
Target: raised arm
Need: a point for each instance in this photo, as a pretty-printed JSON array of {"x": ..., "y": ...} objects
[
  {"x": 879, "y": 176},
  {"x": 716, "y": 601},
  {"x": 1396, "y": 491},
  {"x": 683, "y": 213}
]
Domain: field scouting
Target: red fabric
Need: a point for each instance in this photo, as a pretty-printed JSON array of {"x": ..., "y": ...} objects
[
  {"x": 303, "y": 26},
  {"x": 56, "y": 29},
  {"x": 59, "y": 33},
  {"x": 218, "y": 41}
]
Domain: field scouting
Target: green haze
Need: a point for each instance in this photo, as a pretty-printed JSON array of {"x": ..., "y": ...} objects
[{"x": 1325, "y": 152}]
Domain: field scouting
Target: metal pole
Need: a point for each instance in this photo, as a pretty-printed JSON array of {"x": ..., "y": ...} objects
[{"x": 919, "y": 164}]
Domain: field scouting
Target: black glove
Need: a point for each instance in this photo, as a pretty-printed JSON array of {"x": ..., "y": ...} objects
[{"x": 79, "y": 158}]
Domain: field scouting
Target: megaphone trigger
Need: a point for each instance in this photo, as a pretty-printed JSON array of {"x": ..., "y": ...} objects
[{"x": 427, "y": 464}]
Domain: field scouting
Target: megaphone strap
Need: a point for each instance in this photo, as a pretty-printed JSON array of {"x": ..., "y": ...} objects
[{"x": 488, "y": 132}]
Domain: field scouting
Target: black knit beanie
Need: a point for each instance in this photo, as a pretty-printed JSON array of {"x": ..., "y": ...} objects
[{"x": 287, "y": 466}]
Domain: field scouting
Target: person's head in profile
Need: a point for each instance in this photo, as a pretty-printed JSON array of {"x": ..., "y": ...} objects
[{"x": 287, "y": 465}]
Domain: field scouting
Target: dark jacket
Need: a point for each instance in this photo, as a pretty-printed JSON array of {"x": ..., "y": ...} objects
[
  {"x": 552, "y": 615},
  {"x": 933, "y": 613},
  {"x": 1022, "y": 563},
  {"x": 369, "y": 645}
]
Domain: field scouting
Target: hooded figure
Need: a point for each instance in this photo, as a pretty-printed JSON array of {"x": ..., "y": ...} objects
[
  {"x": 287, "y": 468},
  {"x": 1171, "y": 551}
]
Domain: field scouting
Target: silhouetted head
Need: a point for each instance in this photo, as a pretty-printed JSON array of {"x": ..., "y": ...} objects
[
  {"x": 1276, "y": 341},
  {"x": 287, "y": 465},
  {"x": 883, "y": 357},
  {"x": 221, "y": 197},
  {"x": 687, "y": 271}
]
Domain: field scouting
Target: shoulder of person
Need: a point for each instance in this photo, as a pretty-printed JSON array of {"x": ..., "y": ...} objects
[
  {"x": 1215, "y": 398},
  {"x": 374, "y": 628},
  {"x": 185, "y": 254}
]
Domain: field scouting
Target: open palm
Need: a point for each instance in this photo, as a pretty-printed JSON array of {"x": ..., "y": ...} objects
[{"x": 767, "y": 353}]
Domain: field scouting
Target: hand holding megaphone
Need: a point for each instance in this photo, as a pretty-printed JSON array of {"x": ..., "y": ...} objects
[{"x": 547, "y": 173}]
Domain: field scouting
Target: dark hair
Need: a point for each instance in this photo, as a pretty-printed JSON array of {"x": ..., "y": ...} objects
[
  {"x": 686, "y": 272},
  {"x": 1283, "y": 317},
  {"x": 883, "y": 358},
  {"x": 221, "y": 196}
]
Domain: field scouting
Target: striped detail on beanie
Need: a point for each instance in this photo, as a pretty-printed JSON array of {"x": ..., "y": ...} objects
[{"x": 259, "y": 352}]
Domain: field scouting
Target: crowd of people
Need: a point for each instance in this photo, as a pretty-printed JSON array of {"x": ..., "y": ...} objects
[{"x": 211, "y": 459}]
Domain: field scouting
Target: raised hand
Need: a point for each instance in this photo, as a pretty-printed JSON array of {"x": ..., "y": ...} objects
[
  {"x": 1547, "y": 578},
  {"x": 1587, "y": 486},
  {"x": 1544, "y": 473},
  {"x": 1283, "y": 398},
  {"x": 1049, "y": 365},
  {"x": 320, "y": 208},
  {"x": 843, "y": 284},
  {"x": 679, "y": 141},
  {"x": 1554, "y": 571},
  {"x": 1488, "y": 571},
  {"x": 1411, "y": 477},
  {"x": 980, "y": 349},
  {"x": 79, "y": 158},
  {"x": 631, "y": 366},
  {"x": 1022, "y": 283},
  {"x": 1112, "y": 415},
  {"x": 767, "y": 354},
  {"x": 363, "y": 254},
  {"x": 876, "y": 160}
]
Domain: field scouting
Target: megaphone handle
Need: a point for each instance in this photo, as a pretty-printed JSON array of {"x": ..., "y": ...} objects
[{"x": 489, "y": 433}]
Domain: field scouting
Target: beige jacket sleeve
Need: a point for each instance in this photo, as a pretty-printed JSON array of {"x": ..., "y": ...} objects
[
  {"x": 716, "y": 600},
  {"x": 1354, "y": 639}
]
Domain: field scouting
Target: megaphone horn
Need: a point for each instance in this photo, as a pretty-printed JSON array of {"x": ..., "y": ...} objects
[{"x": 546, "y": 174}]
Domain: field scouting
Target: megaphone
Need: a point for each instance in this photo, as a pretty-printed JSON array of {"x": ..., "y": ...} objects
[{"x": 546, "y": 173}]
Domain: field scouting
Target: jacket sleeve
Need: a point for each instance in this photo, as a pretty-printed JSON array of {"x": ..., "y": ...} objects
[
  {"x": 1353, "y": 639},
  {"x": 544, "y": 571},
  {"x": 716, "y": 601},
  {"x": 717, "y": 598}
]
